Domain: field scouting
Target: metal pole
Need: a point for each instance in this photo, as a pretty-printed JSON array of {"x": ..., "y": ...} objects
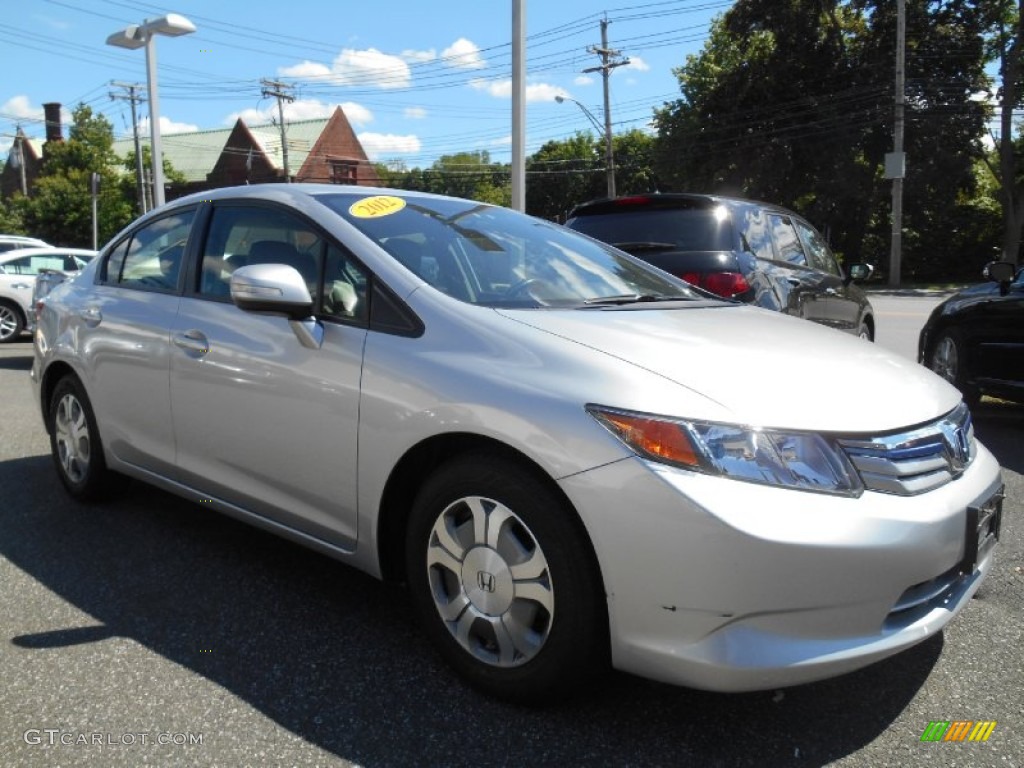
[
  {"x": 154, "y": 121},
  {"x": 896, "y": 251},
  {"x": 609, "y": 154},
  {"x": 518, "y": 105},
  {"x": 21, "y": 165},
  {"x": 138, "y": 156}
]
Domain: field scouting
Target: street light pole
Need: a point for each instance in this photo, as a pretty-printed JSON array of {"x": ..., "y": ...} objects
[
  {"x": 609, "y": 155},
  {"x": 143, "y": 35}
]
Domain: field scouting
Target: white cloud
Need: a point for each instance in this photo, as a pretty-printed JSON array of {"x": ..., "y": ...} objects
[
  {"x": 635, "y": 62},
  {"x": 502, "y": 89},
  {"x": 370, "y": 67},
  {"x": 505, "y": 142},
  {"x": 302, "y": 109},
  {"x": 419, "y": 56},
  {"x": 19, "y": 107},
  {"x": 583, "y": 80},
  {"x": 309, "y": 70},
  {"x": 365, "y": 68},
  {"x": 415, "y": 113},
  {"x": 167, "y": 126},
  {"x": 377, "y": 144},
  {"x": 463, "y": 54}
]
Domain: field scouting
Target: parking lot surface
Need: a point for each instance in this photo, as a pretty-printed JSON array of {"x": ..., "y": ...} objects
[{"x": 149, "y": 631}]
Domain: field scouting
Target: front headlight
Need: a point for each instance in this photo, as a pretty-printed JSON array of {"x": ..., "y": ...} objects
[{"x": 802, "y": 460}]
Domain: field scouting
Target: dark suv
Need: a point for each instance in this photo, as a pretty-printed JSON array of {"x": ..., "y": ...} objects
[{"x": 740, "y": 249}]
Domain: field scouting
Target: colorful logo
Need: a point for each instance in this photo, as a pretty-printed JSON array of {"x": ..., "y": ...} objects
[{"x": 958, "y": 730}]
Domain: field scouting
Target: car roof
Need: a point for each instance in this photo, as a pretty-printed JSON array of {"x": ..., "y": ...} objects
[
  {"x": 668, "y": 200},
  {"x": 21, "y": 253},
  {"x": 283, "y": 192}
]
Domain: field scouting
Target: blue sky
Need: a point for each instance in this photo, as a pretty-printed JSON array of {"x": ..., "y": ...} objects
[{"x": 417, "y": 79}]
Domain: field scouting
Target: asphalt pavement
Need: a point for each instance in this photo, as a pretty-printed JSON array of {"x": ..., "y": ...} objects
[{"x": 149, "y": 631}]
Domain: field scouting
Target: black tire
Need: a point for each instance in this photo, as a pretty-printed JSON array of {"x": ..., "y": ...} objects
[
  {"x": 75, "y": 441},
  {"x": 529, "y": 637},
  {"x": 12, "y": 322},
  {"x": 864, "y": 332},
  {"x": 948, "y": 358}
]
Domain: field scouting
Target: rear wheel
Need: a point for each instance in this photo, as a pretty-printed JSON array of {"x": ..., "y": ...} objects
[
  {"x": 503, "y": 581},
  {"x": 75, "y": 440},
  {"x": 12, "y": 323}
]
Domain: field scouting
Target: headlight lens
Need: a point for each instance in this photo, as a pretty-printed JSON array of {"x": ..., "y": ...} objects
[{"x": 800, "y": 460}]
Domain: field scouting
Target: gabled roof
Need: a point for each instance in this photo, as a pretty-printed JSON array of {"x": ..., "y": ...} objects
[{"x": 195, "y": 153}]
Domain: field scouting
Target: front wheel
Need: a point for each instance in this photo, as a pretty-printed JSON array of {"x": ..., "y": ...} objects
[
  {"x": 948, "y": 359},
  {"x": 75, "y": 440},
  {"x": 503, "y": 581}
]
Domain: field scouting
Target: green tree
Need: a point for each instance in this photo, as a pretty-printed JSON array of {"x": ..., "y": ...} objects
[
  {"x": 791, "y": 101},
  {"x": 563, "y": 173},
  {"x": 60, "y": 209}
]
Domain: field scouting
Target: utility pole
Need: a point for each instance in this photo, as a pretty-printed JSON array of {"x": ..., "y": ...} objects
[
  {"x": 277, "y": 90},
  {"x": 609, "y": 61},
  {"x": 519, "y": 105},
  {"x": 134, "y": 99},
  {"x": 896, "y": 161}
]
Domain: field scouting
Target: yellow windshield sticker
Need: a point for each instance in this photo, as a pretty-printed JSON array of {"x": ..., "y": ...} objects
[{"x": 379, "y": 205}]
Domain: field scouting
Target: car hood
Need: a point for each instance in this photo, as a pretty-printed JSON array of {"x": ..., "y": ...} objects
[{"x": 766, "y": 368}]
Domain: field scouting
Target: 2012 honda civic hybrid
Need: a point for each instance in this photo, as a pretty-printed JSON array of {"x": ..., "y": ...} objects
[{"x": 570, "y": 457}]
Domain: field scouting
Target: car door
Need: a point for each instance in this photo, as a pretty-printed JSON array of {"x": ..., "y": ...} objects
[
  {"x": 797, "y": 283},
  {"x": 263, "y": 422},
  {"x": 123, "y": 337},
  {"x": 998, "y": 331},
  {"x": 840, "y": 306}
]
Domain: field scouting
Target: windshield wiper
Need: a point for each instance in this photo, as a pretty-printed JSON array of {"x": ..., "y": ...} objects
[
  {"x": 631, "y": 298},
  {"x": 642, "y": 245}
]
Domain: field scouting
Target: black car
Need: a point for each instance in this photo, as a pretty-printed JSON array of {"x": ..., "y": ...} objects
[
  {"x": 975, "y": 339},
  {"x": 739, "y": 249}
]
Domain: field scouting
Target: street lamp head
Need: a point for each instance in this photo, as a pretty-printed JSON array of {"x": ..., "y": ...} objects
[
  {"x": 128, "y": 37},
  {"x": 171, "y": 25}
]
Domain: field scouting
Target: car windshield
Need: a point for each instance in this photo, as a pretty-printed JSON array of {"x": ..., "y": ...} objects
[
  {"x": 491, "y": 256},
  {"x": 681, "y": 228}
]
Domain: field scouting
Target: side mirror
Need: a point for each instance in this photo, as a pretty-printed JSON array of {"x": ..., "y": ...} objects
[
  {"x": 271, "y": 288},
  {"x": 999, "y": 271},
  {"x": 860, "y": 271}
]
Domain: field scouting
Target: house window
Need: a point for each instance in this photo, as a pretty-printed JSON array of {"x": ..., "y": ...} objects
[{"x": 343, "y": 172}]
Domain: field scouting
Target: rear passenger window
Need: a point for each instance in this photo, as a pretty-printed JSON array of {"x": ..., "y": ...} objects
[
  {"x": 754, "y": 232},
  {"x": 787, "y": 244},
  {"x": 243, "y": 236},
  {"x": 151, "y": 257}
]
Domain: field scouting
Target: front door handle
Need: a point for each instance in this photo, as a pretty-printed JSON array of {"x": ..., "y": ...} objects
[{"x": 192, "y": 341}]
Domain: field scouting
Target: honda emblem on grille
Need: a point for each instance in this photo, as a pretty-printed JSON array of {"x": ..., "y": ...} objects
[
  {"x": 959, "y": 445},
  {"x": 485, "y": 581}
]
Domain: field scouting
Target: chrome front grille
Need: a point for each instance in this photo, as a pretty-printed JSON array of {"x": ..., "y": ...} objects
[{"x": 916, "y": 461}]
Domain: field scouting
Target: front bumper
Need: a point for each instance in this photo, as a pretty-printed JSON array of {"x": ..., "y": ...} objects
[{"x": 730, "y": 586}]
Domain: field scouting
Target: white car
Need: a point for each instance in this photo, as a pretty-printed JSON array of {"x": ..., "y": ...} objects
[
  {"x": 18, "y": 272},
  {"x": 15, "y": 242}
]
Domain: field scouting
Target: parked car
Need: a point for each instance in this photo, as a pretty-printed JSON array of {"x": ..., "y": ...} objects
[
  {"x": 975, "y": 339},
  {"x": 13, "y": 242},
  {"x": 739, "y": 249},
  {"x": 19, "y": 270},
  {"x": 568, "y": 455}
]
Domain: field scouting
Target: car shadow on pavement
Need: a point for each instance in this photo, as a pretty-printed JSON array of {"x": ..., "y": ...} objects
[
  {"x": 16, "y": 363},
  {"x": 1000, "y": 426},
  {"x": 333, "y": 656}
]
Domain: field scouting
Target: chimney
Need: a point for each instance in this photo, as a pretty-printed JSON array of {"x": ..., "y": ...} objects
[{"x": 53, "y": 127}]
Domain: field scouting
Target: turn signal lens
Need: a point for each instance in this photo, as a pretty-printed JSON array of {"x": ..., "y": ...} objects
[{"x": 655, "y": 438}]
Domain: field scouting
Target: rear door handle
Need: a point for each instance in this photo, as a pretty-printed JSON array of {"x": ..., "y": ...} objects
[{"x": 192, "y": 341}]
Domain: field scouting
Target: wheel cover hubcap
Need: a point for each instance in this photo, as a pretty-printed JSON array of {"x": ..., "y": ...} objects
[
  {"x": 490, "y": 581},
  {"x": 8, "y": 323},
  {"x": 71, "y": 429}
]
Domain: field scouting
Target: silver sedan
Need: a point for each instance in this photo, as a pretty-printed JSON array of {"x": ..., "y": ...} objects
[{"x": 570, "y": 457}]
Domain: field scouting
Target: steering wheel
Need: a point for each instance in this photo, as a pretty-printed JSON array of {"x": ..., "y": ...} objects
[{"x": 523, "y": 286}]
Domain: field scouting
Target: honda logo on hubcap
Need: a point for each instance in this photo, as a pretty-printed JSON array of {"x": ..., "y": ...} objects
[{"x": 485, "y": 581}]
